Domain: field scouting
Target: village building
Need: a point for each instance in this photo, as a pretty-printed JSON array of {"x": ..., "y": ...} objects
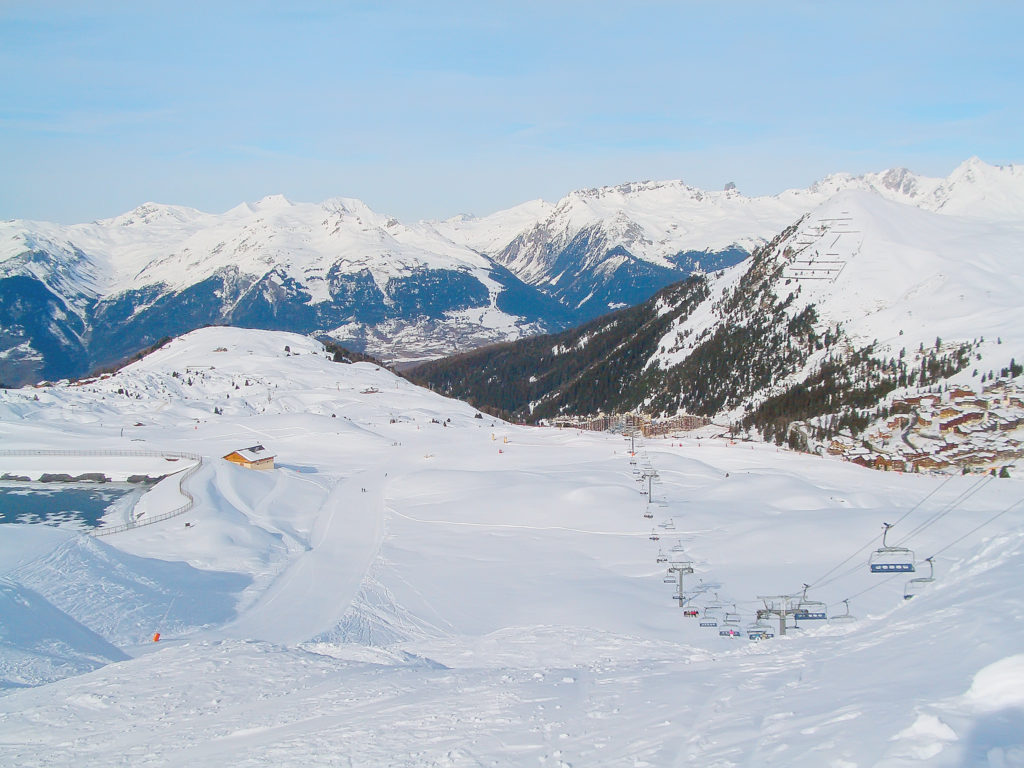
[
  {"x": 255, "y": 457},
  {"x": 959, "y": 392},
  {"x": 927, "y": 463},
  {"x": 961, "y": 420}
]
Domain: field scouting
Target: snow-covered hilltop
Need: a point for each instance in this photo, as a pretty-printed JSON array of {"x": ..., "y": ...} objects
[
  {"x": 416, "y": 586},
  {"x": 76, "y": 297}
]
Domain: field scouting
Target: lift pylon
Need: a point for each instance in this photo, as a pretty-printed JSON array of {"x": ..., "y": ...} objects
[
  {"x": 777, "y": 606},
  {"x": 680, "y": 569}
]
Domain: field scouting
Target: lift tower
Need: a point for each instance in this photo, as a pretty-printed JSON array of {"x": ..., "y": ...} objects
[
  {"x": 777, "y": 606},
  {"x": 680, "y": 569},
  {"x": 649, "y": 476}
]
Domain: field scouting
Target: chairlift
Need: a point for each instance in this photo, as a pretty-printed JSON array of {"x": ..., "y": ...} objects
[
  {"x": 731, "y": 619},
  {"x": 661, "y": 558},
  {"x": 654, "y": 535},
  {"x": 670, "y": 579},
  {"x": 844, "y": 617},
  {"x": 888, "y": 559},
  {"x": 708, "y": 620},
  {"x": 916, "y": 586},
  {"x": 759, "y": 630},
  {"x": 810, "y": 610},
  {"x": 649, "y": 515},
  {"x": 668, "y": 525}
]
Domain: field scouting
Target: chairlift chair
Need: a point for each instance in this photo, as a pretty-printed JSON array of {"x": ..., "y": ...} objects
[
  {"x": 810, "y": 610},
  {"x": 916, "y": 586},
  {"x": 844, "y": 617},
  {"x": 654, "y": 535},
  {"x": 887, "y": 559},
  {"x": 648, "y": 514},
  {"x": 661, "y": 558},
  {"x": 759, "y": 630},
  {"x": 708, "y": 620},
  {"x": 669, "y": 579}
]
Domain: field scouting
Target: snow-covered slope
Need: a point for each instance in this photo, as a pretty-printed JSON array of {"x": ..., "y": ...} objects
[
  {"x": 413, "y": 586},
  {"x": 886, "y": 271}
]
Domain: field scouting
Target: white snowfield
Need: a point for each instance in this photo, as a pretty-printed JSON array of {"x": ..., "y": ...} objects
[{"x": 415, "y": 586}]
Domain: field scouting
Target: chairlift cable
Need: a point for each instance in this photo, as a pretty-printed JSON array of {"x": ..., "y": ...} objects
[
  {"x": 871, "y": 541},
  {"x": 939, "y": 552},
  {"x": 873, "y": 586},
  {"x": 981, "y": 483},
  {"x": 949, "y": 507},
  {"x": 978, "y": 527},
  {"x": 922, "y": 501}
]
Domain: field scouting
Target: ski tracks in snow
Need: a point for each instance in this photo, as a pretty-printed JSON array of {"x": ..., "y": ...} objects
[{"x": 315, "y": 590}]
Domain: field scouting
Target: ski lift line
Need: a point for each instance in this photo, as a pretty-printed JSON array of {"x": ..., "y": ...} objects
[
  {"x": 981, "y": 483},
  {"x": 935, "y": 518},
  {"x": 964, "y": 495},
  {"x": 922, "y": 501},
  {"x": 874, "y": 586},
  {"x": 977, "y": 528},
  {"x": 820, "y": 581}
]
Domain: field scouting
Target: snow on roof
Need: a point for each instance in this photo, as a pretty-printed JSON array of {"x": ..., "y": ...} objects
[{"x": 254, "y": 453}]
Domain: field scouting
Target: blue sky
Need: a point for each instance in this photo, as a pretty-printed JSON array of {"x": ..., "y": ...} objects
[{"x": 428, "y": 109}]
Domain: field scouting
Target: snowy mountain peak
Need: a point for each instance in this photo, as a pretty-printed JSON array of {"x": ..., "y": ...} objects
[
  {"x": 273, "y": 202},
  {"x": 339, "y": 264},
  {"x": 150, "y": 214}
]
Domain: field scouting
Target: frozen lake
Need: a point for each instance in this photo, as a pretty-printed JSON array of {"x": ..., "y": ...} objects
[{"x": 67, "y": 505}]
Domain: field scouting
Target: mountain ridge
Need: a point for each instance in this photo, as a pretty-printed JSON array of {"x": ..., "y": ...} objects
[{"x": 80, "y": 296}]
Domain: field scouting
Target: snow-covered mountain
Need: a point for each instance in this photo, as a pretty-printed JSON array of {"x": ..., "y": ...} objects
[
  {"x": 76, "y": 297},
  {"x": 858, "y": 299},
  {"x": 604, "y": 248},
  {"x": 415, "y": 586}
]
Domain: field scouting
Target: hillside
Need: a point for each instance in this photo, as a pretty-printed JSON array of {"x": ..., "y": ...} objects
[
  {"x": 861, "y": 298},
  {"x": 413, "y": 585}
]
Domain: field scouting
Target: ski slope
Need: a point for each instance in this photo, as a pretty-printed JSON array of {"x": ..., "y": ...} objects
[{"x": 416, "y": 586}]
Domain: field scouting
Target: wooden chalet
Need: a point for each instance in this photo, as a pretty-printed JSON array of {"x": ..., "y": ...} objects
[{"x": 255, "y": 457}]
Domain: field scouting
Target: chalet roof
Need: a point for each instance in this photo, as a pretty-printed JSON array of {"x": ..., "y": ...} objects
[{"x": 254, "y": 453}]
